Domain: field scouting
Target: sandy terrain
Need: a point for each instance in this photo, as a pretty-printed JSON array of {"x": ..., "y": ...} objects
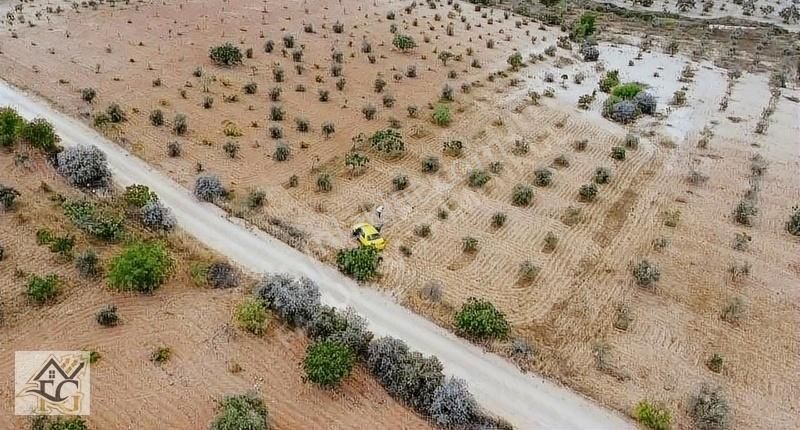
[
  {"x": 130, "y": 392},
  {"x": 570, "y": 307}
]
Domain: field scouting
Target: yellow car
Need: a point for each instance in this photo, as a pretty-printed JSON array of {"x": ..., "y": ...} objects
[{"x": 368, "y": 235}]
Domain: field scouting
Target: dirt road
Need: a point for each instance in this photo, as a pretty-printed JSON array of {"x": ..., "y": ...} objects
[{"x": 528, "y": 402}]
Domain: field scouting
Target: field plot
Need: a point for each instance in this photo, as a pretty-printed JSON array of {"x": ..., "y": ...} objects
[
  {"x": 633, "y": 261},
  {"x": 210, "y": 356}
]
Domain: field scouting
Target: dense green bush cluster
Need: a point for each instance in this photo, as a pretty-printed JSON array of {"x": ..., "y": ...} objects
[
  {"x": 141, "y": 267},
  {"x": 226, "y": 54},
  {"x": 241, "y": 412},
  {"x": 327, "y": 363},
  {"x": 480, "y": 319},
  {"x": 652, "y": 415},
  {"x": 42, "y": 289},
  {"x": 388, "y": 141},
  {"x": 88, "y": 217},
  {"x": 361, "y": 263}
]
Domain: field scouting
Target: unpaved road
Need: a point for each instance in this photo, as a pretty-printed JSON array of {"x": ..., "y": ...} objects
[{"x": 528, "y": 402}]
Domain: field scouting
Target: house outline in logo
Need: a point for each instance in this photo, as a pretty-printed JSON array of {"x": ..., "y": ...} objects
[{"x": 58, "y": 387}]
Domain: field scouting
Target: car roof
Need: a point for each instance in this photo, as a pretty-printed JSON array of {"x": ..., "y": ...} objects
[{"x": 366, "y": 228}]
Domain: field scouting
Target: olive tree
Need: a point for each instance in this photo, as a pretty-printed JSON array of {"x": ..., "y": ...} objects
[
  {"x": 241, "y": 412},
  {"x": 295, "y": 300},
  {"x": 453, "y": 406}
]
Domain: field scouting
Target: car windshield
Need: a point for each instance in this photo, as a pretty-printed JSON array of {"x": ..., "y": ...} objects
[{"x": 373, "y": 236}]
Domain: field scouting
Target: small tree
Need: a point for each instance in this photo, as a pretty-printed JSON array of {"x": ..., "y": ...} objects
[
  {"x": 11, "y": 126},
  {"x": 142, "y": 267},
  {"x": 441, "y": 115},
  {"x": 360, "y": 263},
  {"x": 328, "y": 363},
  {"x": 388, "y": 141},
  {"x": 241, "y": 412},
  {"x": 156, "y": 216},
  {"x": 226, "y": 54},
  {"x": 107, "y": 316},
  {"x": 515, "y": 61},
  {"x": 522, "y": 195},
  {"x": 403, "y": 42},
  {"x": 646, "y": 274},
  {"x": 480, "y": 319},
  {"x": 347, "y": 328},
  {"x": 84, "y": 166}
]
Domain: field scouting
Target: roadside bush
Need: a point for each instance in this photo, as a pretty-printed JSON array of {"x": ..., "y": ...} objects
[
  {"x": 107, "y": 316},
  {"x": 453, "y": 406},
  {"x": 87, "y": 264},
  {"x": 85, "y": 215},
  {"x": 653, "y": 416},
  {"x": 407, "y": 375},
  {"x": 624, "y": 112},
  {"x": 347, "y": 327},
  {"x": 252, "y": 316},
  {"x": 11, "y": 126},
  {"x": 295, "y": 300},
  {"x": 241, "y": 412},
  {"x": 141, "y": 267},
  {"x": 256, "y": 199},
  {"x": 41, "y": 290},
  {"x": 709, "y": 409},
  {"x": 646, "y": 274},
  {"x": 588, "y": 192},
  {"x": 7, "y": 197},
  {"x": 478, "y": 178},
  {"x": 543, "y": 177},
  {"x": 522, "y": 195},
  {"x": 793, "y": 225},
  {"x": 479, "y": 318},
  {"x": 40, "y": 134},
  {"x": 388, "y": 141},
  {"x": 222, "y": 274},
  {"x": 208, "y": 188},
  {"x": 361, "y": 263},
  {"x": 226, "y": 54},
  {"x": 626, "y": 91},
  {"x": 327, "y": 363},
  {"x": 137, "y": 195},
  {"x": 84, "y": 167}
]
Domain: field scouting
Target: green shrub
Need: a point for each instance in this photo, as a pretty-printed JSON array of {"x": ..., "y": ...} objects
[
  {"x": 626, "y": 91},
  {"x": 252, "y": 316},
  {"x": 469, "y": 244},
  {"x": 85, "y": 215},
  {"x": 515, "y": 60},
  {"x": 40, "y": 134},
  {"x": 327, "y": 363},
  {"x": 714, "y": 363},
  {"x": 522, "y": 195},
  {"x": 618, "y": 153},
  {"x": 499, "y": 219},
  {"x": 388, "y": 141},
  {"x": 441, "y": 115},
  {"x": 115, "y": 113},
  {"x": 226, "y": 54},
  {"x": 543, "y": 177},
  {"x": 480, "y": 319},
  {"x": 7, "y": 197},
  {"x": 157, "y": 117},
  {"x": 11, "y": 126},
  {"x": 138, "y": 195},
  {"x": 609, "y": 81},
  {"x": 653, "y": 416},
  {"x": 431, "y": 165},
  {"x": 142, "y": 267},
  {"x": 45, "y": 422},
  {"x": 161, "y": 355},
  {"x": 710, "y": 409},
  {"x": 588, "y": 192},
  {"x": 241, "y": 412},
  {"x": 478, "y": 178},
  {"x": 646, "y": 274},
  {"x": 584, "y": 27},
  {"x": 42, "y": 289},
  {"x": 400, "y": 182},
  {"x": 360, "y": 263},
  {"x": 324, "y": 182},
  {"x": 602, "y": 175},
  {"x": 403, "y": 42},
  {"x": 453, "y": 148}
]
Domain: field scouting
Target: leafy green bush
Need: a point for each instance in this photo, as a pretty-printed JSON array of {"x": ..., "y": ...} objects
[
  {"x": 522, "y": 195},
  {"x": 618, "y": 153},
  {"x": 441, "y": 115},
  {"x": 226, "y": 54},
  {"x": 40, "y": 134},
  {"x": 652, "y": 415},
  {"x": 45, "y": 422},
  {"x": 515, "y": 60},
  {"x": 403, "y": 42},
  {"x": 327, "y": 363},
  {"x": 241, "y": 412},
  {"x": 138, "y": 195},
  {"x": 252, "y": 315},
  {"x": 360, "y": 263},
  {"x": 431, "y": 165},
  {"x": 388, "y": 141},
  {"x": 161, "y": 355},
  {"x": 85, "y": 215},
  {"x": 479, "y": 318},
  {"x": 609, "y": 81},
  {"x": 543, "y": 177},
  {"x": 626, "y": 91},
  {"x": 584, "y": 27},
  {"x": 478, "y": 178},
  {"x": 11, "y": 126},
  {"x": 42, "y": 289},
  {"x": 347, "y": 328},
  {"x": 142, "y": 267}
]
